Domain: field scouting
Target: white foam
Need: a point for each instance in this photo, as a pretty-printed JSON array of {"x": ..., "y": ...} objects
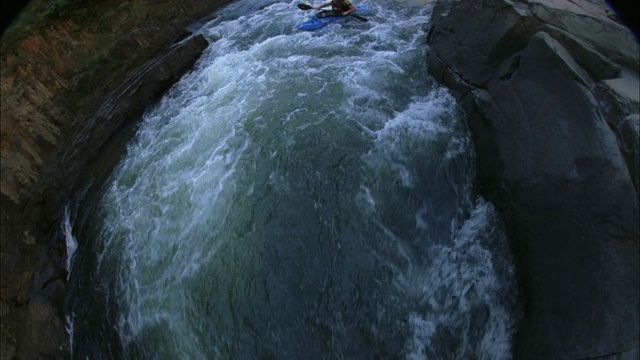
[
  {"x": 456, "y": 281},
  {"x": 71, "y": 242},
  {"x": 69, "y": 324}
]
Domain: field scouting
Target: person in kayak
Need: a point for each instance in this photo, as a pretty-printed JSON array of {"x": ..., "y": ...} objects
[{"x": 342, "y": 7}]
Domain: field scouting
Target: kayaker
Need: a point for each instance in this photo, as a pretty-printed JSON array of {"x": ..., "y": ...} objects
[{"x": 342, "y": 7}]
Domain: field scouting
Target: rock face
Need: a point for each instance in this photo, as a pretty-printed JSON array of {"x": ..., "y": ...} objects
[
  {"x": 65, "y": 91},
  {"x": 550, "y": 89}
]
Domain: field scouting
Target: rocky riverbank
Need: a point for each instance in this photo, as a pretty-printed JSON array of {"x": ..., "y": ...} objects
[
  {"x": 550, "y": 89},
  {"x": 69, "y": 82}
]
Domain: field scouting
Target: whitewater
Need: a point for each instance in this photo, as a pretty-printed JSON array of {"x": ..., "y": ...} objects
[{"x": 297, "y": 195}]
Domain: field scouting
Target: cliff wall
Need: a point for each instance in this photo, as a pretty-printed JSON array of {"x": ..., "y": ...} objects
[
  {"x": 69, "y": 81},
  {"x": 550, "y": 90}
]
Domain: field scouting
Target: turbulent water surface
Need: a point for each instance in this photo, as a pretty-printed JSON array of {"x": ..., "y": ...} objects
[{"x": 298, "y": 195}]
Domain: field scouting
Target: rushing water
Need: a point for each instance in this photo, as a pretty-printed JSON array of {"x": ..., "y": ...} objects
[{"x": 298, "y": 195}]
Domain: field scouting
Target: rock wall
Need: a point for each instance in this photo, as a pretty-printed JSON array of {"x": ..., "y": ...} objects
[
  {"x": 550, "y": 90},
  {"x": 65, "y": 90}
]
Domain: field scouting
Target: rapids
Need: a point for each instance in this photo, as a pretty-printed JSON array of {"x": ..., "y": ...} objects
[{"x": 297, "y": 195}]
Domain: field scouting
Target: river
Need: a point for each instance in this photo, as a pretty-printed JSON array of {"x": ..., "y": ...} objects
[{"x": 297, "y": 195}]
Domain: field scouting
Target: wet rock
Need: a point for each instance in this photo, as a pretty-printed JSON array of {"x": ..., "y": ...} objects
[
  {"x": 628, "y": 136},
  {"x": 589, "y": 21}
]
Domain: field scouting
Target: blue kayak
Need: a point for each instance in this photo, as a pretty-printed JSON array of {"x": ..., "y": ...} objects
[{"x": 326, "y": 17}]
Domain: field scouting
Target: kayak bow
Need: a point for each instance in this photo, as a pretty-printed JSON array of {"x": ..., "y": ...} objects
[{"x": 326, "y": 17}]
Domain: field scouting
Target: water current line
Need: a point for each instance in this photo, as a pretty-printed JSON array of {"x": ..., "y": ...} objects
[{"x": 71, "y": 242}]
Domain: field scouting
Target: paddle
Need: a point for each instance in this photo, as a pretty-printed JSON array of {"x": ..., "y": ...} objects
[{"x": 309, "y": 7}]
